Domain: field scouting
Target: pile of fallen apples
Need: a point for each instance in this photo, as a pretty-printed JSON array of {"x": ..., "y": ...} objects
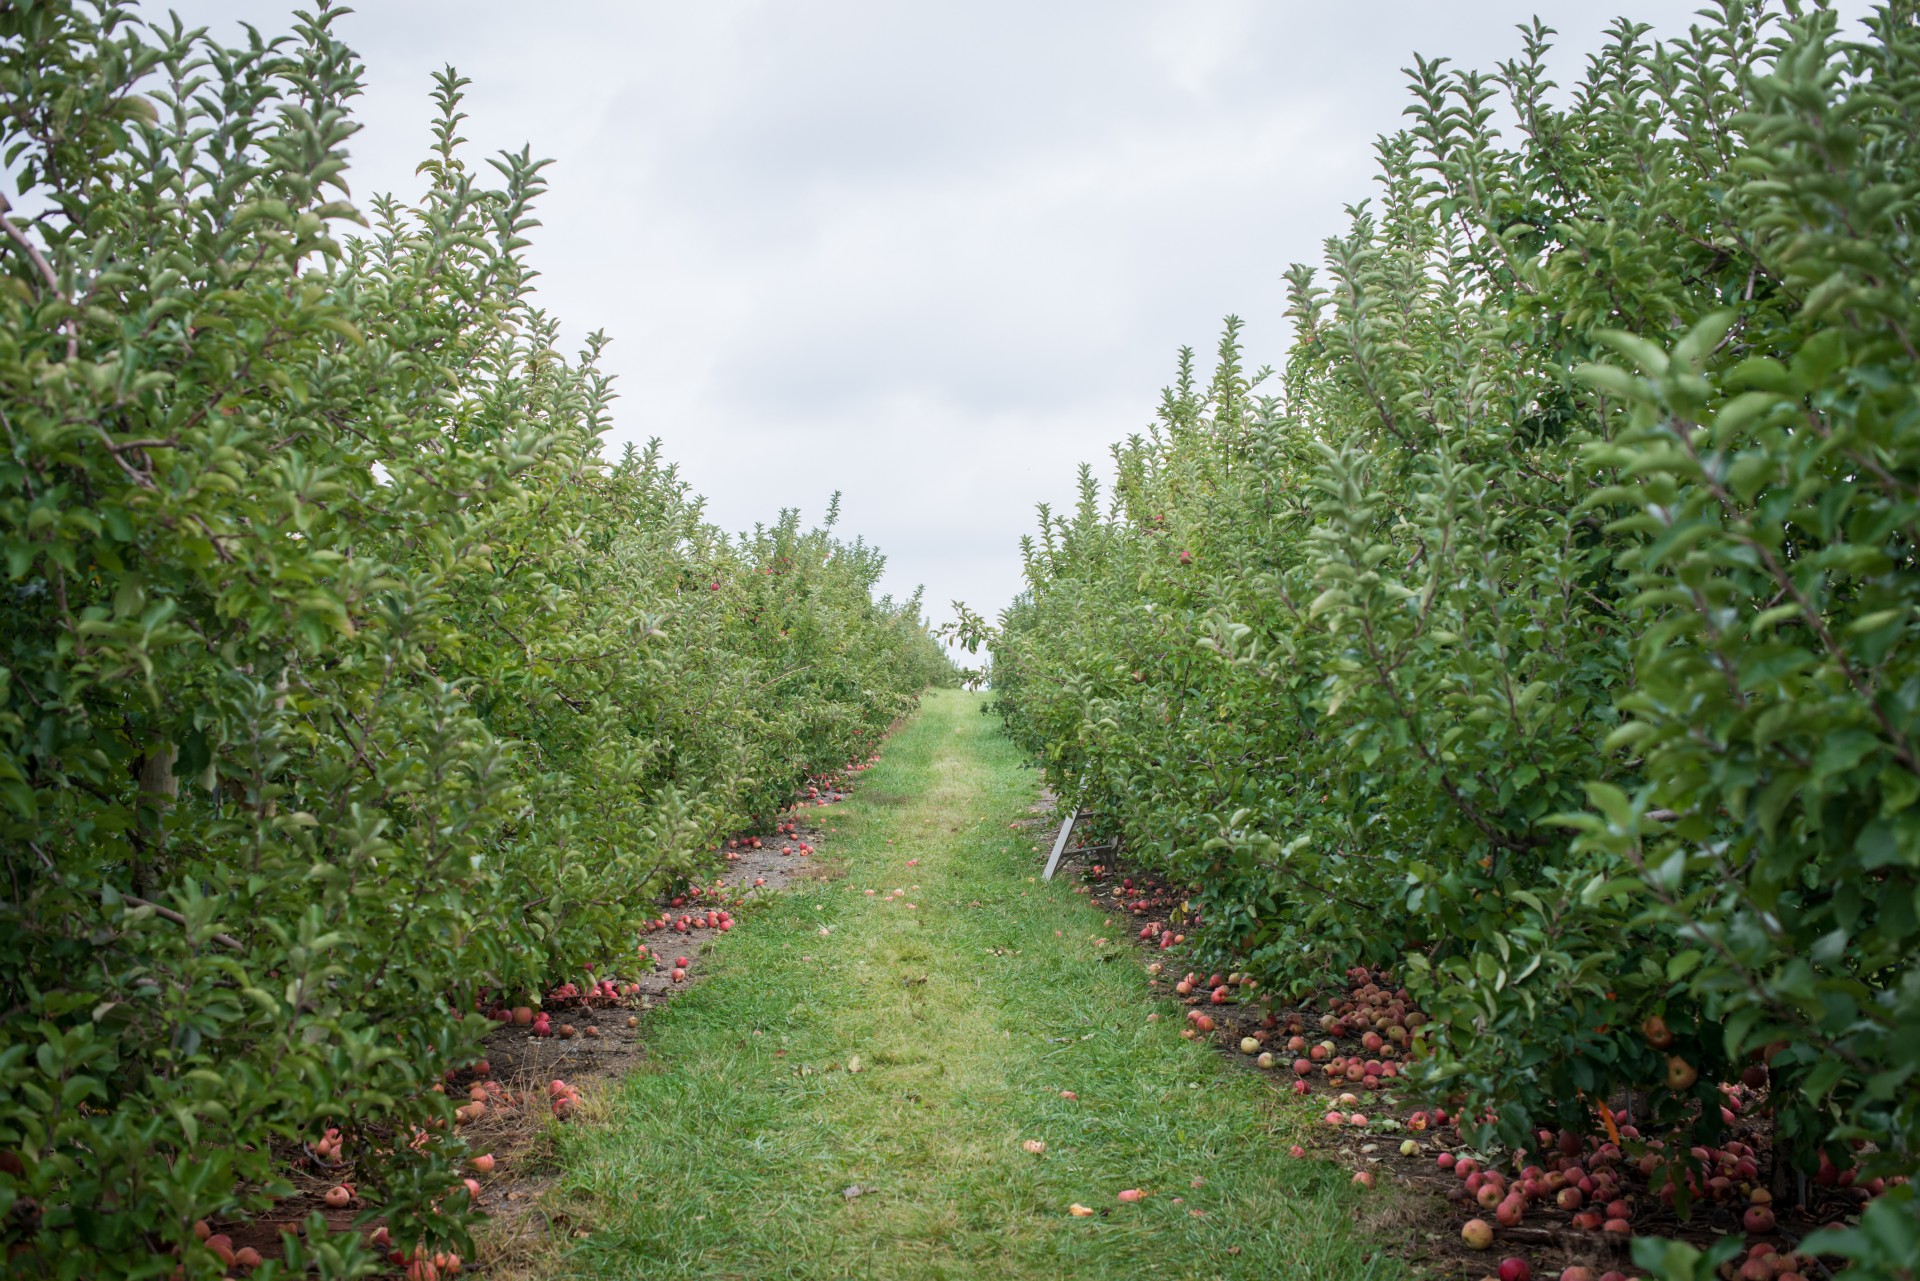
[
  {"x": 1141, "y": 896},
  {"x": 1380, "y": 1018},
  {"x": 1594, "y": 1185},
  {"x": 420, "y": 1265},
  {"x": 1216, "y": 990},
  {"x": 328, "y": 1153},
  {"x": 485, "y": 1095},
  {"x": 222, "y": 1246},
  {"x": 826, "y": 789},
  {"x": 563, "y": 1098},
  {"x": 709, "y": 906},
  {"x": 1592, "y": 1180},
  {"x": 540, "y": 1022}
]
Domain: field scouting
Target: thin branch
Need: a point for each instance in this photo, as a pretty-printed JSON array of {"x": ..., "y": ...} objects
[
  {"x": 167, "y": 913},
  {"x": 32, "y": 251}
]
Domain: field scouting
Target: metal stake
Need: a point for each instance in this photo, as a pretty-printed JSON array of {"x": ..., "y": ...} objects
[{"x": 1060, "y": 844}]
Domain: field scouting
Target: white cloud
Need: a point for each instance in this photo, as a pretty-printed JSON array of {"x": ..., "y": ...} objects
[{"x": 930, "y": 255}]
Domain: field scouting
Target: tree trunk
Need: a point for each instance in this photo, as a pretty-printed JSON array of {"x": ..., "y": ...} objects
[{"x": 158, "y": 791}]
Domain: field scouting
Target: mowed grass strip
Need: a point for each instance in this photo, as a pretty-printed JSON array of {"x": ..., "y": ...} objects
[{"x": 971, "y": 995}]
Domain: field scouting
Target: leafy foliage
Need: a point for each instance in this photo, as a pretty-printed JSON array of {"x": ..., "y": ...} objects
[
  {"x": 342, "y": 677},
  {"x": 1550, "y": 624}
]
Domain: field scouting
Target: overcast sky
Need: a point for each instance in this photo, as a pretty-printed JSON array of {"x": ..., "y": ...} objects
[{"x": 931, "y": 255}]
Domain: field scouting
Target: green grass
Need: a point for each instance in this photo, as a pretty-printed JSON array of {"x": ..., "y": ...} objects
[{"x": 721, "y": 1158}]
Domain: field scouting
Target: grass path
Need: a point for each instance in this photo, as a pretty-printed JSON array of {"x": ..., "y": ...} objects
[{"x": 729, "y": 1155}]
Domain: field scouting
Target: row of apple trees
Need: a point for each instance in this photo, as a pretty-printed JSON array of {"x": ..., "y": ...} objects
[
  {"x": 342, "y": 673},
  {"x": 1549, "y": 628}
]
